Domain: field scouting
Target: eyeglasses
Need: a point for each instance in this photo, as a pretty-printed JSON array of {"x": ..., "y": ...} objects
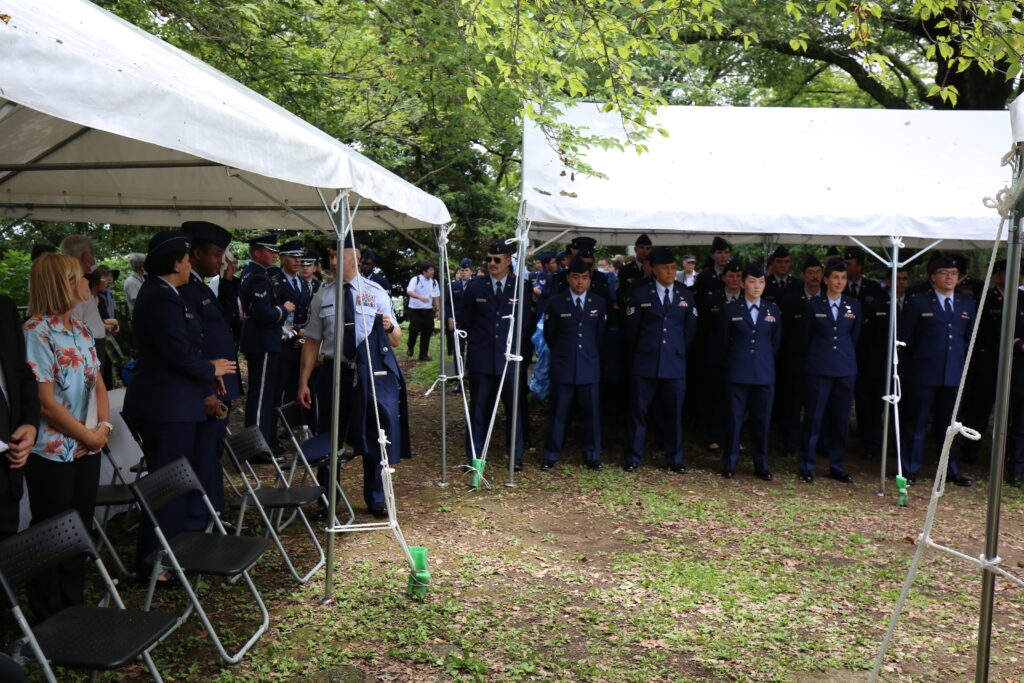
[
  {"x": 495, "y": 259},
  {"x": 947, "y": 273}
]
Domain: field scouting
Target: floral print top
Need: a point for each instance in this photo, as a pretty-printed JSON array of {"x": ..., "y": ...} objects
[{"x": 67, "y": 358}]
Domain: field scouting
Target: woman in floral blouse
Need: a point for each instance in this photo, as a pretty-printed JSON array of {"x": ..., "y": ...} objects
[{"x": 63, "y": 470}]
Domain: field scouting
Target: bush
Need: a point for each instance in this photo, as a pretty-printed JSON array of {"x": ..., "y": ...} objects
[{"x": 14, "y": 275}]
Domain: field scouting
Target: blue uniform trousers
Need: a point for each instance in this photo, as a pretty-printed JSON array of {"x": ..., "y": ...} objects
[
  {"x": 1015, "y": 437},
  {"x": 791, "y": 404},
  {"x": 208, "y": 450},
  {"x": 669, "y": 394},
  {"x": 588, "y": 403},
  {"x": 287, "y": 385},
  {"x": 322, "y": 383},
  {"x": 826, "y": 416},
  {"x": 483, "y": 392},
  {"x": 163, "y": 442},
  {"x": 928, "y": 402},
  {"x": 758, "y": 399},
  {"x": 387, "y": 393},
  {"x": 262, "y": 392}
]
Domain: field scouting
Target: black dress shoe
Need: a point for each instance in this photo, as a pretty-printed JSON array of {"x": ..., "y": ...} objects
[
  {"x": 320, "y": 515},
  {"x": 425, "y": 359},
  {"x": 631, "y": 467},
  {"x": 764, "y": 475},
  {"x": 546, "y": 465},
  {"x": 379, "y": 512},
  {"x": 596, "y": 466},
  {"x": 677, "y": 469},
  {"x": 911, "y": 479},
  {"x": 839, "y": 475},
  {"x": 960, "y": 480},
  {"x": 806, "y": 477},
  {"x": 518, "y": 467},
  {"x": 1017, "y": 481},
  {"x": 728, "y": 474}
]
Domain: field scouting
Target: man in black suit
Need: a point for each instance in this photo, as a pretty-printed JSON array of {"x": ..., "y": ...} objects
[{"x": 19, "y": 414}]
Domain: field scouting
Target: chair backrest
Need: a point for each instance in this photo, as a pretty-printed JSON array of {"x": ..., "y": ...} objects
[
  {"x": 248, "y": 443},
  {"x": 292, "y": 415},
  {"x": 40, "y": 547},
  {"x": 165, "y": 485}
]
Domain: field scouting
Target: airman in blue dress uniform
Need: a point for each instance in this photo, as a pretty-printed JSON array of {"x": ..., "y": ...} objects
[
  {"x": 790, "y": 388},
  {"x": 452, "y": 305},
  {"x": 778, "y": 281},
  {"x": 265, "y": 316},
  {"x": 486, "y": 310},
  {"x": 165, "y": 399},
  {"x": 751, "y": 334},
  {"x": 209, "y": 241},
  {"x": 540, "y": 282},
  {"x": 574, "y": 329},
  {"x": 660, "y": 323},
  {"x": 1015, "y": 440},
  {"x": 936, "y": 327},
  {"x": 372, "y": 383},
  {"x": 831, "y": 327},
  {"x": 291, "y": 286},
  {"x": 711, "y": 302}
]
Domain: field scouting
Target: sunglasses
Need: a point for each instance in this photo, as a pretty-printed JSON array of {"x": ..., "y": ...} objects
[{"x": 495, "y": 259}]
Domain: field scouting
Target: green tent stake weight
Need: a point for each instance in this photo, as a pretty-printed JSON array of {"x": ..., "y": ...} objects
[
  {"x": 901, "y": 490},
  {"x": 478, "y": 472},
  {"x": 419, "y": 577}
]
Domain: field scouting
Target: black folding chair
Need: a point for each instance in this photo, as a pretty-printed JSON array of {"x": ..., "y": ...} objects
[
  {"x": 246, "y": 445},
  {"x": 200, "y": 553},
  {"x": 80, "y": 637},
  {"x": 109, "y": 495},
  {"x": 309, "y": 451}
]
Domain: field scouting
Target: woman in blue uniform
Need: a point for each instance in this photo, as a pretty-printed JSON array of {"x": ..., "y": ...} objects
[{"x": 164, "y": 400}]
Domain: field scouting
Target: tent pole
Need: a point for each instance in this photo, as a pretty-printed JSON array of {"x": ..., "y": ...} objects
[
  {"x": 894, "y": 264},
  {"x": 995, "y": 477},
  {"x": 341, "y": 227},
  {"x": 522, "y": 230},
  {"x": 445, "y": 276}
]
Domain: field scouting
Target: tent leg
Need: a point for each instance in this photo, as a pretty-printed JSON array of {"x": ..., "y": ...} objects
[
  {"x": 894, "y": 265},
  {"x": 521, "y": 233},
  {"x": 442, "y": 269},
  {"x": 995, "y": 477}
]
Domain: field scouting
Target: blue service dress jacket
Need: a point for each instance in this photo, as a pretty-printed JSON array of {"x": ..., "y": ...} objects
[
  {"x": 173, "y": 374},
  {"x": 214, "y": 322},
  {"x": 487, "y": 325},
  {"x": 264, "y": 314},
  {"x": 575, "y": 338},
  {"x": 936, "y": 341},
  {"x": 750, "y": 349},
  {"x": 659, "y": 335},
  {"x": 831, "y": 344}
]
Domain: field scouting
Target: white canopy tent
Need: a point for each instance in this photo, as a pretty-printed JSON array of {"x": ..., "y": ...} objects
[
  {"x": 796, "y": 175},
  {"x": 103, "y": 122}
]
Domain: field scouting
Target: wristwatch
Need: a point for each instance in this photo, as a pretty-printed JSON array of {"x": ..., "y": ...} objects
[
  {"x": 110, "y": 427},
  {"x": 389, "y": 331}
]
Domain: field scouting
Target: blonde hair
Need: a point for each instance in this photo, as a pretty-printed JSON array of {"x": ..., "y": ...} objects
[{"x": 52, "y": 286}]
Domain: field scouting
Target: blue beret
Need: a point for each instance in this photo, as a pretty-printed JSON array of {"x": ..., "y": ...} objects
[
  {"x": 169, "y": 242},
  {"x": 207, "y": 232},
  {"x": 267, "y": 241},
  {"x": 292, "y": 248}
]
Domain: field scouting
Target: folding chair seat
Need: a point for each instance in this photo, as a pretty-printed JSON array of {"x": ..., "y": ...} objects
[
  {"x": 80, "y": 637},
  {"x": 247, "y": 444},
  {"x": 315, "y": 450},
  {"x": 200, "y": 553}
]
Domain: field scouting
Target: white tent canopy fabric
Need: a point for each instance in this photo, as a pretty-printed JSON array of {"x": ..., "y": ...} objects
[
  {"x": 794, "y": 175},
  {"x": 101, "y": 121}
]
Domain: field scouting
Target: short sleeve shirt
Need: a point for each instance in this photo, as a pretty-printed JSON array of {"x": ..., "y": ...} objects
[
  {"x": 424, "y": 286},
  {"x": 370, "y": 299},
  {"x": 66, "y": 358}
]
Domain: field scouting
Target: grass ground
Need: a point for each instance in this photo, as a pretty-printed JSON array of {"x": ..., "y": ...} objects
[{"x": 578, "y": 575}]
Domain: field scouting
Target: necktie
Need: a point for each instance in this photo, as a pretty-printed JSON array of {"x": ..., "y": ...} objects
[
  {"x": 579, "y": 307},
  {"x": 349, "y": 340},
  {"x": 497, "y": 293},
  {"x": 667, "y": 301},
  {"x": 835, "y": 311},
  {"x": 753, "y": 314},
  {"x": 949, "y": 307},
  {"x": 854, "y": 287}
]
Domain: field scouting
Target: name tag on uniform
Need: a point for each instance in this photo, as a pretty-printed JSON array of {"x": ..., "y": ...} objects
[
  {"x": 481, "y": 301},
  {"x": 736, "y": 320},
  {"x": 188, "y": 315},
  {"x": 820, "y": 315},
  {"x": 645, "y": 305},
  {"x": 206, "y": 301},
  {"x": 798, "y": 315},
  {"x": 566, "y": 315},
  {"x": 769, "y": 318},
  {"x": 881, "y": 312},
  {"x": 927, "y": 315}
]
